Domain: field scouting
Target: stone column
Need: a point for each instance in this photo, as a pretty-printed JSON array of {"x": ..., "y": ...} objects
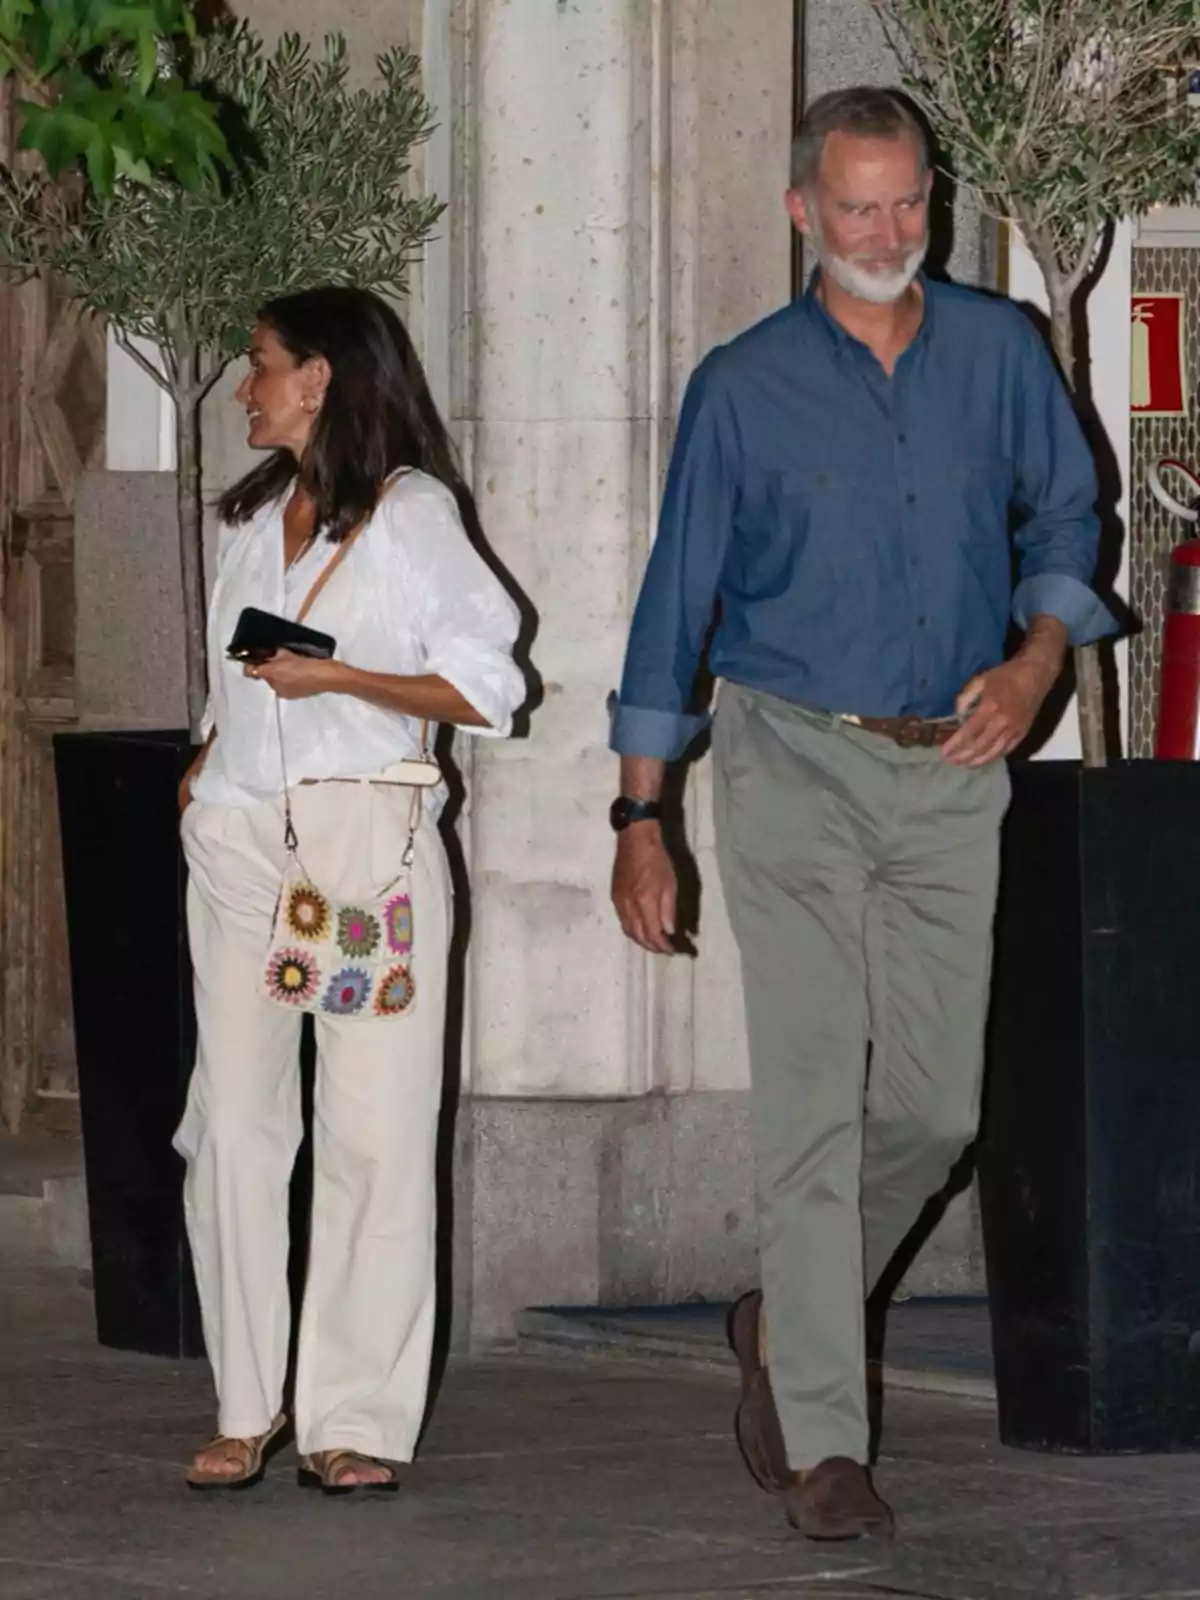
[
  {"x": 566, "y": 309},
  {"x": 620, "y": 173}
]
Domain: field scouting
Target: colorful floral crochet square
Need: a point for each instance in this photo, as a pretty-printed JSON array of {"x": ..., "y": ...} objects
[
  {"x": 292, "y": 975},
  {"x": 306, "y": 913},
  {"x": 347, "y": 992},
  {"x": 398, "y": 920},
  {"x": 395, "y": 993},
  {"x": 358, "y": 931}
]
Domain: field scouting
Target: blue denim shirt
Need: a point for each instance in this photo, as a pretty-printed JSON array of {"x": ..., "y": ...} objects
[{"x": 854, "y": 534}]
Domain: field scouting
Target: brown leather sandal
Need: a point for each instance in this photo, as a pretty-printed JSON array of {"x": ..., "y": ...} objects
[
  {"x": 251, "y": 1455},
  {"x": 321, "y": 1471}
]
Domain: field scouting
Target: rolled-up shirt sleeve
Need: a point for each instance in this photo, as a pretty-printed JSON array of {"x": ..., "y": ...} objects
[
  {"x": 1056, "y": 490},
  {"x": 468, "y": 623},
  {"x": 653, "y": 714}
]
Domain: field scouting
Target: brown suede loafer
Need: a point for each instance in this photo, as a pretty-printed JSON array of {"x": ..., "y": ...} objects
[
  {"x": 837, "y": 1500},
  {"x": 756, "y": 1424}
]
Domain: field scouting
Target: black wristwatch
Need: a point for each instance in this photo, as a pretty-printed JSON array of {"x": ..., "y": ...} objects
[{"x": 624, "y": 811}]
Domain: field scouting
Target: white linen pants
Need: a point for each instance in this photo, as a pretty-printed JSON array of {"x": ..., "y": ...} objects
[{"x": 366, "y": 1328}]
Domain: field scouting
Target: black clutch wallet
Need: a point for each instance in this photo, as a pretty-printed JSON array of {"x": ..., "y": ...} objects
[{"x": 259, "y": 634}]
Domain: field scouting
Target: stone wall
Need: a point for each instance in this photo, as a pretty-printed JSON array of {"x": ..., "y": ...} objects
[{"x": 615, "y": 175}]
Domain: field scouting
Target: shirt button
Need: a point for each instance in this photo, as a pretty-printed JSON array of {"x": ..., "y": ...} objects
[
  {"x": 921, "y": 622},
  {"x": 902, "y": 438},
  {"x": 911, "y": 498},
  {"x": 914, "y": 561}
]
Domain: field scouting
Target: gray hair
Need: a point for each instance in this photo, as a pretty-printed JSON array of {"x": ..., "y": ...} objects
[{"x": 866, "y": 113}]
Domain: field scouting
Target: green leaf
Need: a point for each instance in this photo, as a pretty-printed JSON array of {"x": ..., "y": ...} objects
[
  {"x": 42, "y": 131},
  {"x": 112, "y": 19},
  {"x": 147, "y": 61},
  {"x": 13, "y": 14},
  {"x": 61, "y": 29},
  {"x": 101, "y": 163},
  {"x": 130, "y": 166}
]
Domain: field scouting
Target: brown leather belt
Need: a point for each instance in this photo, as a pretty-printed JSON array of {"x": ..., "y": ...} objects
[{"x": 910, "y": 733}]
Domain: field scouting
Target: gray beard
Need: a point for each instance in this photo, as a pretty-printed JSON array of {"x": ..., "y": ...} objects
[{"x": 876, "y": 288}]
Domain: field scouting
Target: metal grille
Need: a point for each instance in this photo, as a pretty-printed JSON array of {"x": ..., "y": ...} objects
[{"x": 1153, "y": 532}]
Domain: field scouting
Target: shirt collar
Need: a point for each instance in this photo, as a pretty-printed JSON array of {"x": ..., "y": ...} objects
[{"x": 840, "y": 340}]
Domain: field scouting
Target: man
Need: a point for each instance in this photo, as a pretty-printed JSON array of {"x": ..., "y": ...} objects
[{"x": 841, "y": 497}]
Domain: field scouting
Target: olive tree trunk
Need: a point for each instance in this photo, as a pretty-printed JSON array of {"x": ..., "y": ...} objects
[
  {"x": 189, "y": 504},
  {"x": 1089, "y": 678}
]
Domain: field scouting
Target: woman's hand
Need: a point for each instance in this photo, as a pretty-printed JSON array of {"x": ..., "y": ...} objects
[
  {"x": 193, "y": 772},
  {"x": 295, "y": 677}
]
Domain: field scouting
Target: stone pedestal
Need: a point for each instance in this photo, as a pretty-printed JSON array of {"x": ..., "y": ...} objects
[
  {"x": 642, "y": 1201},
  {"x": 625, "y": 1202},
  {"x": 129, "y": 657}
]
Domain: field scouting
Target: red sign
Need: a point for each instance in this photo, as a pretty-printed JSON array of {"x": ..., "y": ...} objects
[{"x": 1157, "y": 378}]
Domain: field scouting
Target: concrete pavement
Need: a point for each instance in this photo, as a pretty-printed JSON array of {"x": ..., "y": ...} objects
[{"x": 550, "y": 1476}]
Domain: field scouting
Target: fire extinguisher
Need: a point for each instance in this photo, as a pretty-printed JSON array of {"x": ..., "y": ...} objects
[{"x": 1177, "y": 736}]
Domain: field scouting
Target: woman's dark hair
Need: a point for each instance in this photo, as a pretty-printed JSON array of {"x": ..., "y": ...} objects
[{"x": 378, "y": 414}]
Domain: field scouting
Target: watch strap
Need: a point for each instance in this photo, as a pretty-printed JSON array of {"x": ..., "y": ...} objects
[{"x": 625, "y": 811}]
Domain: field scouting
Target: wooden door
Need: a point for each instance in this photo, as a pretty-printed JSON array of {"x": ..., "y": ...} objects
[{"x": 52, "y": 402}]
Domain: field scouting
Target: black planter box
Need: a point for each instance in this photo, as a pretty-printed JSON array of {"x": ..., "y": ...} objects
[
  {"x": 1090, "y": 1157},
  {"x": 131, "y": 989}
]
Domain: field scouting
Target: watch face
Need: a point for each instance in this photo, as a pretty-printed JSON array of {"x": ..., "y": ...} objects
[{"x": 623, "y": 811}]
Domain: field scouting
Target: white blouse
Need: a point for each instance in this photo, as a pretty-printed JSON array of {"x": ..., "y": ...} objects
[{"x": 412, "y": 596}]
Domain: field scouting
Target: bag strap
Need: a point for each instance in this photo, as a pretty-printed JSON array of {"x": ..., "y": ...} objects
[
  {"x": 331, "y": 566},
  {"x": 327, "y": 572},
  {"x": 343, "y": 549},
  {"x": 291, "y": 842}
]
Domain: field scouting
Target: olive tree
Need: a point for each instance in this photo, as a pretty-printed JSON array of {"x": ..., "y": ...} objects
[
  {"x": 319, "y": 192},
  {"x": 1064, "y": 116}
]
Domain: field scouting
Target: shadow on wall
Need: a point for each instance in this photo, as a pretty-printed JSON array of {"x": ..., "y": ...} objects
[
  {"x": 456, "y": 979},
  {"x": 941, "y": 200},
  {"x": 1112, "y": 529}
]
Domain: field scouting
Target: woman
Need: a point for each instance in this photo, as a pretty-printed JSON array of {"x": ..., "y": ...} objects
[{"x": 424, "y": 634}]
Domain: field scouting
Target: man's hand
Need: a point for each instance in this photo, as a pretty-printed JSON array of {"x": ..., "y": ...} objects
[
  {"x": 644, "y": 887},
  {"x": 1004, "y": 701}
]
